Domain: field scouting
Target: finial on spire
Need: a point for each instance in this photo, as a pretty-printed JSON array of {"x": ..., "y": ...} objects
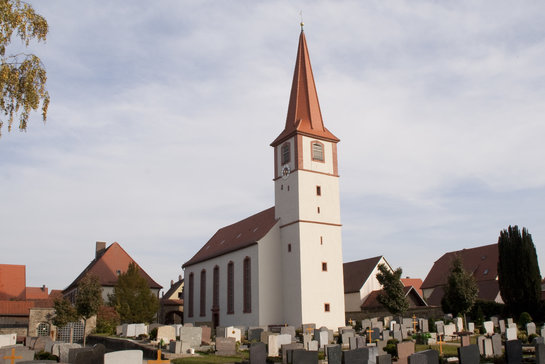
[{"x": 302, "y": 23}]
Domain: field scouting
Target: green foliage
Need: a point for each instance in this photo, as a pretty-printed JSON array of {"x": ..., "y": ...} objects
[
  {"x": 65, "y": 312},
  {"x": 461, "y": 290},
  {"x": 482, "y": 309},
  {"x": 524, "y": 319},
  {"x": 22, "y": 76},
  {"x": 44, "y": 355},
  {"x": 132, "y": 297},
  {"x": 522, "y": 335},
  {"x": 431, "y": 325},
  {"x": 391, "y": 347},
  {"x": 153, "y": 334},
  {"x": 393, "y": 297},
  {"x": 107, "y": 320},
  {"x": 518, "y": 271},
  {"x": 88, "y": 297}
]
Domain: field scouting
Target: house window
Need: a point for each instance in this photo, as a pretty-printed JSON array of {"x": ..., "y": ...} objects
[
  {"x": 216, "y": 289},
  {"x": 203, "y": 293},
  {"x": 190, "y": 294},
  {"x": 324, "y": 266},
  {"x": 247, "y": 285},
  {"x": 326, "y": 307},
  {"x": 231, "y": 287},
  {"x": 317, "y": 151},
  {"x": 285, "y": 153},
  {"x": 289, "y": 248},
  {"x": 318, "y": 190}
]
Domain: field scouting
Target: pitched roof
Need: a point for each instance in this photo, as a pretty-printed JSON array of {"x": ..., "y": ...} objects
[
  {"x": 304, "y": 114},
  {"x": 415, "y": 300},
  {"x": 488, "y": 291},
  {"x": 37, "y": 293},
  {"x": 12, "y": 281},
  {"x": 236, "y": 236},
  {"x": 413, "y": 282},
  {"x": 22, "y": 308},
  {"x": 481, "y": 261},
  {"x": 173, "y": 288},
  {"x": 356, "y": 273},
  {"x": 106, "y": 266}
]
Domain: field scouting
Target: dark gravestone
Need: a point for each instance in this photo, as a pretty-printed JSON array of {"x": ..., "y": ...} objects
[
  {"x": 384, "y": 359},
  {"x": 286, "y": 348},
  {"x": 290, "y": 354},
  {"x": 226, "y": 346},
  {"x": 93, "y": 355},
  {"x": 305, "y": 357},
  {"x": 513, "y": 352},
  {"x": 258, "y": 353},
  {"x": 375, "y": 335},
  {"x": 540, "y": 353},
  {"x": 424, "y": 357},
  {"x": 254, "y": 333},
  {"x": 36, "y": 361},
  {"x": 538, "y": 340},
  {"x": 334, "y": 354},
  {"x": 417, "y": 359},
  {"x": 469, "y": 354},
  {"x": 358, "y": 356}
]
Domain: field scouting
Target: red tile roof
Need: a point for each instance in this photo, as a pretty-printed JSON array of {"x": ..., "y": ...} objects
[
  {"x": 236, "y": 236},
  {"x": 356, "y": 273},
  {"x": 12, "y": 281},
  {"x": 21, "y": 308},
  {"x": 304, "y": 114},
  {"x": 413, "y": 282},
  {"x": 37, "y": 293},
  {"x": 107, "y": 265},
  {"x": 415, "y": 300},
  {"x": 481, "y": 261}
]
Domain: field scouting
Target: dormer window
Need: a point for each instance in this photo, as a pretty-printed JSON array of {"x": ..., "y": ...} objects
[
  {"x": 317, "y": 151},
  {"x": 285, "y": 150}
]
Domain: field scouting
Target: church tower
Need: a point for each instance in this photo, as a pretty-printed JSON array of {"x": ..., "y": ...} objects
[{"x": 307, "y": 205}]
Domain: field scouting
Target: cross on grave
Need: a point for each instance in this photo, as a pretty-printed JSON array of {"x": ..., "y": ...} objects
[
  {"x": 414, "y": 323},
  {"x": 440, "y": 342},
  {"x": 309, "y": 330},
  {"x": 159, "y": 360},
  {"x": 13, "y": 357},
  {"x": 350, "y": 322},
  {"x": 369, "y": 331}
]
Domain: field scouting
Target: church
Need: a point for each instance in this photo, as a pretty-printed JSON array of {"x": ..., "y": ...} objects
[{"x": 282, "y": 265}]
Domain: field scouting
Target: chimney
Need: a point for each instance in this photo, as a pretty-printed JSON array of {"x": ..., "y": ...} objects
[
  {"x": 100, "y": 247},
  {"x": 179, "y": 277},
  {"x": 171, "y": 283},
  {"x": 43, "y": 288}
]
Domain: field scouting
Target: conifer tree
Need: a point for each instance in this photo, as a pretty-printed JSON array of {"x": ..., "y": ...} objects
[
  {"x": 518, "y": 271},
  {"x": 393, "y": 297}
]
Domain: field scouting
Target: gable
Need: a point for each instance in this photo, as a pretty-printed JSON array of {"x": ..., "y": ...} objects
[
  {"x": 236, "y": 236},
  {"x": 12, "y": 281},
  {"x": 356, "y": 273}
]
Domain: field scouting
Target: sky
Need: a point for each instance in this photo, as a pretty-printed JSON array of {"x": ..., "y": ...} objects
[{"x": 162, "y": 113}]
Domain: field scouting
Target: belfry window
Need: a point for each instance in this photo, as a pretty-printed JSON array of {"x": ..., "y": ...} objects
[
  {"x": 317, "y": 151},
  {"x": 285, "y": 153}
]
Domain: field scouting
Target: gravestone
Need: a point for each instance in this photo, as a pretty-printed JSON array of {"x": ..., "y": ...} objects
[
  {"x": 124, "y": 357},
  {"x": 308, "y": 328},
  {"x": 424, "y": 357},
  {"x": 323, "y": 339},
  {"x": 381, "y": 344},
  {"x": 220, "y": 331},
  {"x": 511, "y": 333},
  {"x": 191, "y": 336},
  {"x": 258, "y": 353},
  {"x": 41, "y": 342},
  {"x": 404, "y": 350},
  {"x": 540, "y": 353},
  {"x": 206, "y": 333},
  {"x": 464, "y": 340},
  {"x": 398, "y": 336},
  {"x": 360, "y": 342},
  {"x": 275, "y": 343},
  {"x": 469, "y": 354},
  {"x": 408, "y": 322},
  {"x": 384, "y": 359},
  {"x": 424, "y": 325},
  {"x": 440, "y": 326},
  {"x": 346, "y": 335},
  {"x": 167, "y": 334},
  {"x": 538, "y": 340},
  {"x": 150, "y": 328},
  {"x": 254, "y": 333},
  {"x": 235, "y": 332},
  {"x": 354, "y": 356},
  {"x": 459, "y": 324},
  {"x": 243, "y": 332},
  {"x": 488, "y": 327},
  {"x": 305, "y": 357},
  {"x": 352, "y": 343},
  {"x": 17, "y": 350},
  {"x": 365, "y": 324},
  {"x": 404, "y": 332},
  {"x": 531, "y": 328},
  {"x": 265, "y": 337},
  {"x": 502, "y": 326},
  {"x": 175, "y": 347},
  {"x": 88, "y": 355},
  {"x": 307, "y": 338},
  {"x": 129, "y": 330},
  {"x": 471, "y": 327},
  {"x": 375, "y": 334},
  {"x": 313, "y": 345},
  {"x": 386, "y": 335},
  {"x": 513, "y": 352},
  {"x": 488, "y": 351},
  {"x": 496, "y": 345},
  {"x": 287, "y": 348},
  {"x": 510, "y": 321},
  {"x": 392, "y": 324},
  {"x": 49, "y": 345},
  {"x": 141, "y": 329},
  {"x": 62, "y": 350},
  {"x": 8, "y": 339},
  {"x": 450, "y": 329},
  {"x": 378, "y": 325},
  {"x": 480, "y": 344},
  {"x": 226, "y": 346},
  {"x": 288, "y": 330},
  {"x": 334, "y": 354}
]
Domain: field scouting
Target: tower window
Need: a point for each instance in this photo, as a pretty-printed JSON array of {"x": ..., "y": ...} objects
[
  {"x": 326, "y": 307},
  {"x": 317, "y": 151},
  {"x": 318, "y": 209},
  {"x": 324, "y": 266},
  {"x": 289, "y": 248},
  {"x": 285, "y": 150},
  {"x": 321, "y": 240},
  {"x": 318, "y": 190}
]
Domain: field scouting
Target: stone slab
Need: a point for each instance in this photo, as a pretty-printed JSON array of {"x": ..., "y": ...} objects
[
  {"x": 334, "y": 354},
  {"x": 258, "y": 353},
  {"x": 226, "y": 346},
  {"x": 305, "y": 357},
  {"x": 469, "y": 354},
  {"x": 124, "y": 357},
  {"x": 513, "y": 352}
]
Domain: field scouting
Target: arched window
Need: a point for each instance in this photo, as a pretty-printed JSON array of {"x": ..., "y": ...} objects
[
  {"x": 203, "y": 293},
  {"x": 285, "y": 153},
  {"x": 190, "y": 290},
  {"x": 43, "y": 329},
  {"x": 247, "y": 281},
  {"x": 317, "y": 151},
  {"x": 216, "y": 288},
  {"x": 231, "y": 287}
]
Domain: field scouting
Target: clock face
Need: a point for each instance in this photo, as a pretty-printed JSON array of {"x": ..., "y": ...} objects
[{"x": 286, "y": 171}]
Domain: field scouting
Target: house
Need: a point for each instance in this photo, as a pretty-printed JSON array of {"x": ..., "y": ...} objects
[
  {"x": 172, "y": 303},
  {"x": 24, "y": 310},
  {"x": 107, "y": 265},
  {"x": 282, "y": 265},
  {"x": 480, "y": 261}
]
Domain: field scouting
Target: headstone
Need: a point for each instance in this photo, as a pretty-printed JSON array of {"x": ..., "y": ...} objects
[
  {"x": 346, "y": 335},
  {"x": 404, "y": 350},
  {"x": 41, "y": 342},
  {"x": 288, "y": 330},
  {"x": 220, "y": 331},
  {"x": 352, "y": 343},
  {"x": 509, "y": 321},
  {"x": 424, "y": 357},
  {"x": 226, "y": 346},
  {"x": 488, "y": 351},
  {"x": 323, "y": 339},
  {"x": 450, "y": 329},
  {"x": 307, "y": 338},
  {"x": 49, "y": 346},
  {"x": 334, "y": 354},
  {"x": 469, "y": 354},
  {"x": 354, "y": 356},
  {"x": 258, "y": 353},
  {"x": 495, "y": 320},
  {"x": 398, "y": 336},
  {"x": 235, "y": 332},
  {"x": 392, "y": 324},
  {"x": 502, "y": 326},
  {"x": 459, "y": 324},
  {"x": 308, "y": 328},
  {"x": 464, "y": 340},
  {"x": 275, "y": 343},
  {"x": 386, "y": 335},
  {"x": 513, "y": 352},
  {"x": 88, "y": 355},
  {"x": 424, "y": 325},
  {"x": 63, "y": 350},
  {"x": 191, "y": 335},
  {"x": 511, "y": 333},
  {"x": 305, "y": 357},
  {"x": 378, "y": 325},
  {"x": 471, "y": 327},
  {"x": 167, "y": 334},
  {"x": 289, "y": 347},
  {"x": 489, "y": 327},
  {"x": 480, "y": 344},
  {"x": 254, "y": 333},
  {"x": 496, "y": 345},
  {"x": 540, "y": 353},
  {"x": 18, "y": 350},
  {"x": 404, "y": 332},
  {"x": 313, "y": 345},
  {"x": 538, "y": 340},
  {"x": 360, "y": 342},
  {"x": 440, "y": 326},
  {"x": 265, "y": 337},
  {"x": 141, "y": 329},
  {"x": 366, "y": 324},
  {"x": 381, "y": 344},
  {"x": 175, "y": 347},
  {"x": 531, "y": 328},
  {"x": 124, "y": 357},
  {"x": 384, "y": 359},
  {"x": 206, "y": 333},
  {"x": 375, "y": 334},
  {"x": 243, "y": 332},
  {"x": 129, "y": 330},
  {"x": 8, "y": 339},
  {"x": 408, "y": 322}
]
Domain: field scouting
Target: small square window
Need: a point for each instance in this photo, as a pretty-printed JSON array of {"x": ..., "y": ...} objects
[
  {"x": 324, "y": 266},
  {"x": 318, "y": 190},
  {"x": 326, "y": 307}
]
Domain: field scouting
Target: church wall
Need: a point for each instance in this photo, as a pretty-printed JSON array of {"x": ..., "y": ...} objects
[
  {"x": 238, "y": 317},
  {"x": 291, "y": 275},
  {"x": 328, "y": 202}
]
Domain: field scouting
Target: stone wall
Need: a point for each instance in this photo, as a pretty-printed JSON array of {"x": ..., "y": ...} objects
[
  {"x": 422, "y": 312},
  {"x": 37, "y": 316}
]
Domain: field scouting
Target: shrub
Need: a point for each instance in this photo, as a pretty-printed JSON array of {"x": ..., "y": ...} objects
[
  {"x": 391, "y": 347},
  {"x": 153, "y": 334},
  {"x": 522, "y": 336},
  {"x": 107, "y": 320},
  {"x": 524, "y": 318}
]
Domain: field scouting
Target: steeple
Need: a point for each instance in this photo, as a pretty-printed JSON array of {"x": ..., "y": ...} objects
[{"x": 304, "y": 115}]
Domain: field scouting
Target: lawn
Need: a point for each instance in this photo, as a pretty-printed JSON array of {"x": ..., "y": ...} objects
[{"x": 212, "y": 358}]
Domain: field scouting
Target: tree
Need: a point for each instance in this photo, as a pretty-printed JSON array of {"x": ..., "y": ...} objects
[
  {"x": 132, "y": 297},
  {"x": 88, "y": 300},
  {"x": 65, "y": 312},
  {"x": 518, "y": 271},
  {"x": 461, "y": 290},
  {"x": 22, "y": 75},
  {"x": 393, "y": 297}
]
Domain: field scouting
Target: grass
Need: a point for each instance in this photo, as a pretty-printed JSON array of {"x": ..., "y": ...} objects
[
  {"x": 448, "y": 350},
  {"x": 212, "y": 359}
]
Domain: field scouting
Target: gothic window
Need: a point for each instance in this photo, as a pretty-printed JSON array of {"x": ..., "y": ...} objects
[
  {"x": 191, "y": 289},
  {"x": 285, "y": 151},
  {"x": 203, "y": 293},
  {"x": 231, "y": 287},
  {"x": 317, "y": 151},
  {"x": 247, "y": 285},
  {"x": 216, "y": 290}
]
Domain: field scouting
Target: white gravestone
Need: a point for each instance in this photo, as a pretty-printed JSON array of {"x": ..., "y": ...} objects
[
  {"x": 276, "y": 342},
  {"x": 124, "y": 357},
  {"x": 488, "y": 352},
  {"x": 450, "y": 329},
  {"x": 511, "y": 333},
  {"x": 140, "y": 329},
  {"x": 166, "y": 333},
  {"x": 471, "y": 327},
  {"x": 119, "y": 330},
  {"x": 129, "y": 330},
  {"x": 489, "y": 327},
  {"x": 459, "y": 324},
  {"x": 530, "y": 328},
  {"x": 232, "y": 331},
  {"x": 8, "y": 339},
  {"x": 323, "y": 340}
]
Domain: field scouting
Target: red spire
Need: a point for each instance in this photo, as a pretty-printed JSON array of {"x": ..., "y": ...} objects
[{"x": 304, "y": 115}]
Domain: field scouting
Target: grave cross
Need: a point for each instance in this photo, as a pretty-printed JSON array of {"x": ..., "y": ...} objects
[
  {"x": 13, "y": 357},
  {"x": 414, "y": 324},
  {"x": 158, "y": 361},
  {"x": 440, "y": 342},
  {"x": 369, "y": 331}
]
